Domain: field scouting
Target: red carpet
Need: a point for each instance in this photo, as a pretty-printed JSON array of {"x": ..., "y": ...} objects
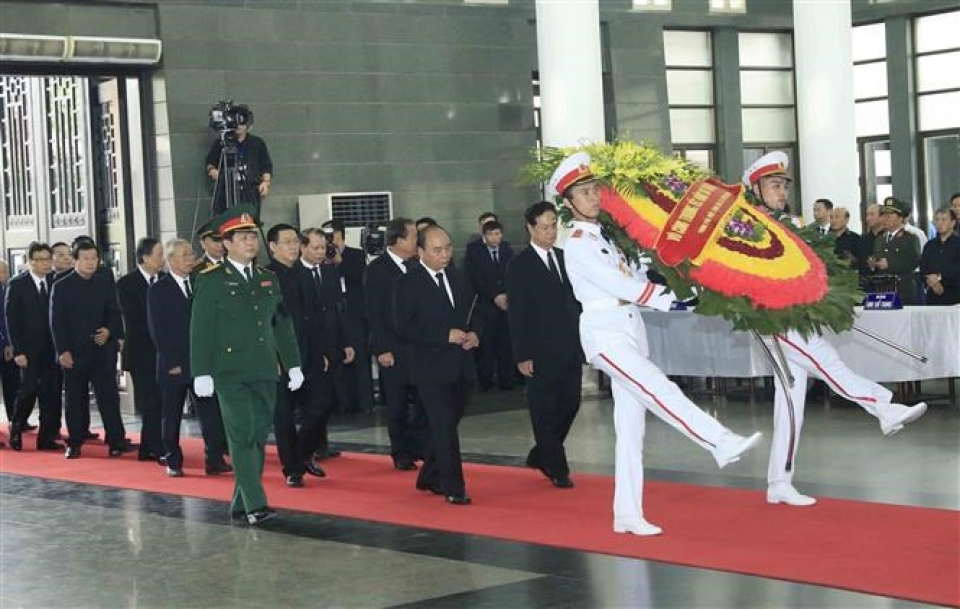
[{"x": 897, "y": 551}]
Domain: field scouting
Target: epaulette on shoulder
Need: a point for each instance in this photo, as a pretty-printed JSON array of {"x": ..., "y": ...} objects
[
  {"x": 576, "y": 234},
  {"x": 264, "y": 269},
  {"x": 210, "y": 267}
]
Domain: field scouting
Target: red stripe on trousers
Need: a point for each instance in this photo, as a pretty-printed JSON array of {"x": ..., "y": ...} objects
[
  {"x": 826, "y": 374},
  {"x": 655, "y": 399}
]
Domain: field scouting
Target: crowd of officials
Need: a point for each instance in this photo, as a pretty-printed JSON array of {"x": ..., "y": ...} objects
[{"x": 195, "y": 334}]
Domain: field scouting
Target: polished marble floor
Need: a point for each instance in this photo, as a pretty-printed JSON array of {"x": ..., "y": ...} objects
[{"x": 73, "y": 545}]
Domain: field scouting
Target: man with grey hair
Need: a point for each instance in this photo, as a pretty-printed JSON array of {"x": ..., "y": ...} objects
[{"x": 169, "y": 302}]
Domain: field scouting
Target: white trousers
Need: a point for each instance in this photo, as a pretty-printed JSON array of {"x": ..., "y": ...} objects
[
  {"x": 615, "y": 342},
  {"x": 815, "y": 357}
]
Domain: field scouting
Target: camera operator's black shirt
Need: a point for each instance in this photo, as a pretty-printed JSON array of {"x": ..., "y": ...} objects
[{"x": 251, "y": 152}]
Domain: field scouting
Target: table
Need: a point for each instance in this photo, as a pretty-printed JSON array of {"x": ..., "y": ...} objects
[{"x": 683, "y": 343}]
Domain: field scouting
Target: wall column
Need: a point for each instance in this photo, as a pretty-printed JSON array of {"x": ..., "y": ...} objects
[
  {"x": 571, "y": 72},
  {"x": 825, "y": 104}
]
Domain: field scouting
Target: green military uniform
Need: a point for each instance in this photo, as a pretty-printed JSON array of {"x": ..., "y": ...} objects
[
  {"x": 241, "y": 336},
  {"x": 902, "y": 251}
]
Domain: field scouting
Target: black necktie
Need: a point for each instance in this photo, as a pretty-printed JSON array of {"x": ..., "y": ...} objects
[
  {"x": 553, "y": 266},
  {"x": 186, "y": 287},
  {"x": 443, "y": 288},
  {"x": 496, "y": 258},
  {"x": 153, "y": 279},
  {"x": 317, "y": 282},
  {"x": 248, "y": 274},
  {"x": 43, "y": 290}
]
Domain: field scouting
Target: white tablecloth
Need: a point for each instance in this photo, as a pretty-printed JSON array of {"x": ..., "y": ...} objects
[{"x": 686, "y": 344}]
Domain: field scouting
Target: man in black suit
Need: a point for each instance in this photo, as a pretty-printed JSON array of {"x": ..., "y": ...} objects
[
  {"x": 544, "y": 326},
  {"x": 846, "y": 242},
  {"x": 432, "y": 308},
  {"x": 27, "y": 304},
  {"x": 169, "y": 302},
  {"x": 139, "y": 356},
  {"x": 296, "y": 456},
  {"x": 382, "y": 276},
  {"x": 87, "y": 332},
  {"x": 9, "y": 374},
  {"x": 485, "y": 265},
  {"x": 351, "y": 262},
  {"x": 330, "y": 332}
]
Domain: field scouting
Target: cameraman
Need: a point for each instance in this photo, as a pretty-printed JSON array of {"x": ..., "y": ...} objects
[{"x": 253, "y": 159}]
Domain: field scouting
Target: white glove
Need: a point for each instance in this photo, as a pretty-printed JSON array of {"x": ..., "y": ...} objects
[
  {"x": 203, "y": 386},
  {"x": 296, "y": 378},
  {"x": 661, "y": 299}
]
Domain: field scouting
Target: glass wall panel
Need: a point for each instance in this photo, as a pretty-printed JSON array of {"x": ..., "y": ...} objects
[
  {"x": 765, "y": 88},
  {"x": 768, "y": 125},
  {"x": 869, "y": 42},
  {"x": 690, "y": 87},
  {"x": 765, "y": 50},
  {"x": 872, "y": 118},
  {"x": 941, "y": 157},
  {"x": 937, "y": 32},
  {"x": 692, "y": 125},
  {"x": 939, "y": 111},
  {"x": 940, "y": 71},
  {"x": 682, "y": 48},
  {"x": 870, "y": 80}
]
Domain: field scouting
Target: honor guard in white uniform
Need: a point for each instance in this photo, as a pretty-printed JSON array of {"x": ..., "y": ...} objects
[
  {"x": 769, "y": 181},
  {"x": 614, "y": 341}
]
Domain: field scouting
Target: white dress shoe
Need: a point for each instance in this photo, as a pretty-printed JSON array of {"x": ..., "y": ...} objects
[
  {"x": 894, "y": 416},
  {"x": 786, "y": 493},
  {"x": 732, "y": 446},
  {"x": 642, "y": 528}
]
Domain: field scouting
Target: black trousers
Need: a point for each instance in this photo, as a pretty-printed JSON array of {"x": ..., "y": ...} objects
[
  {"x": 313, "y": 403},
  {"x": 359, "y": 375},
  {"x": 102, "y": 374},
  {"x": 211, "y": 427},
  {"x": 40, "y": 381},
  {"x": 495, "y": 353},
  {"x": 10, "y": 379},
  {"x": 408, "y": 439},
  {"x": 173, "y": 394},
  {"x": 444, "y": 404},
  {"x": 554, "y": 400},
  {"x": 149, "y": 403},
  {"x": 285, "y": 432}
]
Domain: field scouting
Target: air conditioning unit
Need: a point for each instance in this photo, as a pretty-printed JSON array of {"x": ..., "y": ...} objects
[
  {"x": 357, "y": 210},
  {"x": 29, "y": 47},
  {"x": 142, "y": 51}
]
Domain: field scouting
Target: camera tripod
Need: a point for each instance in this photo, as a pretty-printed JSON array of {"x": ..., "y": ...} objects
[{"x": 232, "y": 187}]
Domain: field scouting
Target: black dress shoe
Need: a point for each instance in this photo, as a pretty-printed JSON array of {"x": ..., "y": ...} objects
[
  {"x": 50, "y": 446},
  {"x": 436, "y": 490},
  {"x": 405, "y": 464},
  {"x": 16, "y": 441},
  {"x": 295, "y": 480},
  {"x": 147, "y": 456},
  {"x": 218, "y": 468},
  {"x": 29, "y": 427},
  {"x": 562, "y": 481},
  {"x": 315, "y": 470},
  {"x": 73, "y": 452},
  {"x": 459, "y": 499},
  {"x": 258, "y": 517},
  {"x": 89, "y": 435}
]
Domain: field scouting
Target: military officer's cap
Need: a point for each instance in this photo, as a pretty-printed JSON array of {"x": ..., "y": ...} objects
[
  {"x": 894, "y": 206},
  {"x": 771, "y": 164},
  {"x": 208, "y": 230},
  {"x": 575, "y": 169},
  {"x": 241, "y": 217}
]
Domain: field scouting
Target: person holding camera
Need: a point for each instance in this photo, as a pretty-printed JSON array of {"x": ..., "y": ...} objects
[{"x": 254, "y": 168}]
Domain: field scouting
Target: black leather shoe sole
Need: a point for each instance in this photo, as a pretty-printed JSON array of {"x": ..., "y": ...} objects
[
  {"x": 73, "y": 452},
  {"x": 562, "y": 482},
  {"x": 436, "y": 490},
  {"x": 260, "y": 516},
  {"x": 459, "y": 499},
  {"x": 216, "y": 470},
  {"x": 295, "y": 481},
  {"x": 315, "y": 470}
]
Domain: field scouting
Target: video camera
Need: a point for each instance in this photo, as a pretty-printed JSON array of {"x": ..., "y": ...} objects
[{"x": 225, "y": 116}]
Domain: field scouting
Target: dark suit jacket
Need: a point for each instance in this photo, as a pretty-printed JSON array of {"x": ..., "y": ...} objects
[
  {"x": 28, "y": 321},
  {"x": 424, "y": 318},
  {"x": 379, "y": 285},
  {"x": 328, "y": 326},
  {"x": 487, "y": 279},
  {"x": 544, "y": 314},
  {"x": 168, "y": 318},
  {"x": 352, "y": 267},
  {"x": 847, "y": 247},
  {"x": 139, "y": 352},
  {"x": 78, "y": 307}
]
